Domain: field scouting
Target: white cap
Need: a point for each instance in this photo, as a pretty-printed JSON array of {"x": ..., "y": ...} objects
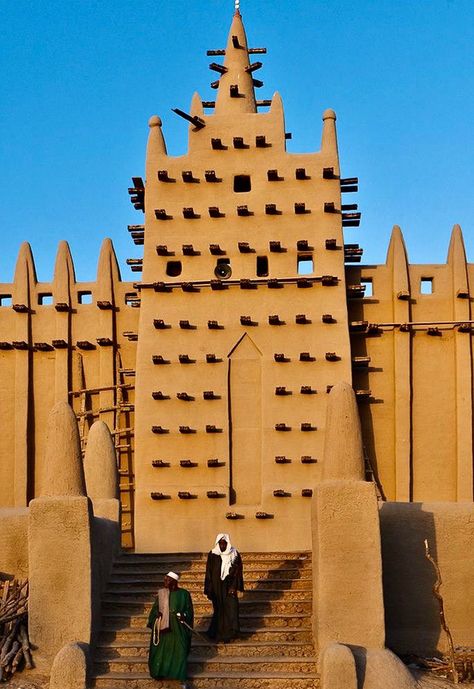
[{"x": 173, "y": 576}]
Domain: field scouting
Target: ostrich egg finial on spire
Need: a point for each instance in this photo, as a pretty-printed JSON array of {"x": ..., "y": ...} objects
[{"x": 237, "y": 6}]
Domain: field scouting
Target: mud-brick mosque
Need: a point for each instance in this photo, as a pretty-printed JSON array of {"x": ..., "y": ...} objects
[{"x": 256, "y": 379}]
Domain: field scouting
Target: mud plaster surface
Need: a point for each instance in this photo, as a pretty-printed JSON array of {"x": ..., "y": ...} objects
[{"x": 24, "y": 680}]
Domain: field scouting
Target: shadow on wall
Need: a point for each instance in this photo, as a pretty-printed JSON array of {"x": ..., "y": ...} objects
[
  {"x": 411, "y": 611},
  {"x": 361, "y": 380},
  {"x": 105, "y": 544}
]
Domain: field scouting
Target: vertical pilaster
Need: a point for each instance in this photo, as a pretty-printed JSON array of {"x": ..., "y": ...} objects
[
  {"x": 23, "y": 286},
  {"x": 63, "y": 285},
  {"x": 245, "y": 384},
  {"x": 463, "y": 366},
  {"x": 398, "y": 266},
  {"x": 108, "y": 275}
]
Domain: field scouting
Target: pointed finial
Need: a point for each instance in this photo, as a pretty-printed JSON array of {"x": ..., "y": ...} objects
[
  {"x": 236, "y": 90},
  {"x": 237, "y": 6}
]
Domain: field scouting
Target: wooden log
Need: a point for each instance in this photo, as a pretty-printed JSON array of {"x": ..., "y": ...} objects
[
  {"x": 25, "y": 644},
  {"x": 16, "y": 660},
  {"x": 14, "y": 642},
  {"x": 8, "y": 642},
  {"x": 15, "y": 616},
  {"x": 5, "y": 591},
  {"x": 10, "y": 655}
]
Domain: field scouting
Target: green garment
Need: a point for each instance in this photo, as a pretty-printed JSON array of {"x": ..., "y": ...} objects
[{"x": 168, "y": 659}]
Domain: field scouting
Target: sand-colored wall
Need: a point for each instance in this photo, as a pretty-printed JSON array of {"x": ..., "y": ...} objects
[
  {"x": 347, "y": 567},
  {"x": 13, "y": 542},
  {"x": 61, "y": 590},
  {"x": 418, "y": 423},
  {"x": 246, "y": 409},
  {"x": 411, "y": 611},
  {"x": 71, "y": 551},
  {"x": 65, "y": 593},
  {"x": 36, "y": 377}
]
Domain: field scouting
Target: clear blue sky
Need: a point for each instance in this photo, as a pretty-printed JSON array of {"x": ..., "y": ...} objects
[{"x": 80, "y": 78}]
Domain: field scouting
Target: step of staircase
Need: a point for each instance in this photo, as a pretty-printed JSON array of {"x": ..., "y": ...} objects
[
  {"x": 274, "y": 651},
  {"x": 210, "y": 680},
  {"x": 253, "y": 563},
  {"x": 155, "y": 573},
  {"x": 255, "y": 634},
  {"x": 194, "y": 583},
  {"x": 193, "y": 558},
  {"x": 248, "y": 649},
  {"x": 258, "y": 606},
  {"x": 253, "y": 589},
  {"x": 199, "y": 664},
  {"x": 121, "y": 620}
]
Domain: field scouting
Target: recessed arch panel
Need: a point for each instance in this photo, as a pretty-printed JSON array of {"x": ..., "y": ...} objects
[{"x": 245, "y": 422}]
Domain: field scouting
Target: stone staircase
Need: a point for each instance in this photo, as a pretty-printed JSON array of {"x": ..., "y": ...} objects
[{"x": 275, "y": 650}]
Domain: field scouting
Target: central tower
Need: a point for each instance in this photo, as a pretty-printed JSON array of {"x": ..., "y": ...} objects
[{"x": 243, "y": 321}]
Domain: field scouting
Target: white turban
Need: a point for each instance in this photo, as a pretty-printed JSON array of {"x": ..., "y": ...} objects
[{"x": 227, "y": 557}]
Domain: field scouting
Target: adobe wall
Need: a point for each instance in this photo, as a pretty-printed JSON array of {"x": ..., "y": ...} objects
[
  {"x": 13, "y": 543},
  {"x": 252, "y": 429},
  {"x": 51, "y": 351},
  {"x": 347, "y": 584},
  {"x": 417, "y": 424},
  {"x": 411, "y": 611},
  {"x": 71, "y": 551}
]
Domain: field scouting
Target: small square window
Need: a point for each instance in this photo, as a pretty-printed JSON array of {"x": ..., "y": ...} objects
[
  {"x": 131, "y": 299},
  {"x": 369, "y": 287},
  {"x": 45, "y": 299},
  {"x": 84, "y": 297},
  {"x": 426, "y": 286},
  {"x": 305, "y": 264},
  {"x": 5, "y": 299},
  {"x": 242, "y": 183},
  {"x": 262, "y": 266}
]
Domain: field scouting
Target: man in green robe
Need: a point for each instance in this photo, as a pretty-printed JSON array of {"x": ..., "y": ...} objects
[{"x": 170, "y": 640}]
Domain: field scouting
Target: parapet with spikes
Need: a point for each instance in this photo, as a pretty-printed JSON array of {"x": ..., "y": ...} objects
[
  {"x": 108, "y": 273},
  {"x": 64, "y": 275},
  {"x": 67, "y": 342},
  {"x": 413, "y": 331},
  {"x": 25, "y": 277}
]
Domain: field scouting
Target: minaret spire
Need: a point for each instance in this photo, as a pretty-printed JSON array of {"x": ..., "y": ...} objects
[{"x": 236, "y": 91}]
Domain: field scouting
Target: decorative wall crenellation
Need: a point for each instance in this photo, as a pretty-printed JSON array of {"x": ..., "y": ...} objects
[
  {"x": 69, "y": 341},
  {"x": 415, "y": 326}
]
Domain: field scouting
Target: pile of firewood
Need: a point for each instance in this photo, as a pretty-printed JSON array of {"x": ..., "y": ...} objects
[
  {"x": 14, "y": 643},
  {"x": 458, "y": 669}
]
